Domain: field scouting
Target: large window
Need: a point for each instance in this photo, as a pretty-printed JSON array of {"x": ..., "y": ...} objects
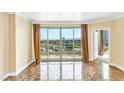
[
  {"x": 44, "y": 43},
  {"x": 54, "y": 43},
  {"x": 60, "y": 43},
  {"x": 67, "y": 43}
]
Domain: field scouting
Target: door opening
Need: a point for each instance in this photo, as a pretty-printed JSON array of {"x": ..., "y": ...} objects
[{"x": 101, "y": 44}]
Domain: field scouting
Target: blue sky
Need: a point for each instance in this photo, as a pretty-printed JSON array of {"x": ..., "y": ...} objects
[{"x": 54, "y": 34}]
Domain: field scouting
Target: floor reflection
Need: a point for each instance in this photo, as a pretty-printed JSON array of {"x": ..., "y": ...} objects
[
  {"x": 69, "y": 71},
  {"x": 61, "y": 71},
  {"x": 105, "y": 71}
]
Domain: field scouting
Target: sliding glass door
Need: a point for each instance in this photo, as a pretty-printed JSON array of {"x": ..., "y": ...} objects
[
  {"x": 54, "y": 44},
  {"x": 67, "y": 43},
  {"x": 77, "y": 43},
  {"x": 60, "y": 44},
  {"x": 44, "y": 43}
]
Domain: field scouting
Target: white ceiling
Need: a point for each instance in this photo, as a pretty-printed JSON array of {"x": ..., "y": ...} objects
[{"x": 69, "y": 17}]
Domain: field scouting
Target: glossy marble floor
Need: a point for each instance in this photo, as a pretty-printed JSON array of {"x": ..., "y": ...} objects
[{"x": 69, "y": 71}]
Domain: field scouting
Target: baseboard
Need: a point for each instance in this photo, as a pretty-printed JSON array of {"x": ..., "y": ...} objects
[
  {"x": 18, "y": 72},
  {"x": 4, "y": 76},
  {"x": 117, "y": 66}
]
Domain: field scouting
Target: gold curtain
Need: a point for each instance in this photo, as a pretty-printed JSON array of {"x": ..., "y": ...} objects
[
  {"x": 84, "y": 39},
  {"x": 36, "y": 29}
]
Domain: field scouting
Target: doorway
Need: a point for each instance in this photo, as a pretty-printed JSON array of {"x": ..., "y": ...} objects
[
  {"x": 61, "y": 53},
  {"x": 101, "y": 44}
]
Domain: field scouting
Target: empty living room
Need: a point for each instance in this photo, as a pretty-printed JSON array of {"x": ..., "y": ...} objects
[{"x": 59, "y": 46}]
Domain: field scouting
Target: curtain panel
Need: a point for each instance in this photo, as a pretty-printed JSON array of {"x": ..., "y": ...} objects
[
  {"x": 36, "y": 30},
  {"x": 84, "y": 40}
]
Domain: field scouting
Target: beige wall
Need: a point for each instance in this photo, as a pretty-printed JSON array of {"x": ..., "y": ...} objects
[
  {"x": 3, "y": 43},
  {"x": 117, "y": 42},
  {"x": 15, "y": 43},
  {"x": 23, "y": 42},
  {"x": 116, "y": 39},
  {"x": 12, "y": 43}
]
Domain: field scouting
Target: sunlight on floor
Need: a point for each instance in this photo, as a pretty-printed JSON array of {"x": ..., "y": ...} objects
[{"x": 61, "y": 70}]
